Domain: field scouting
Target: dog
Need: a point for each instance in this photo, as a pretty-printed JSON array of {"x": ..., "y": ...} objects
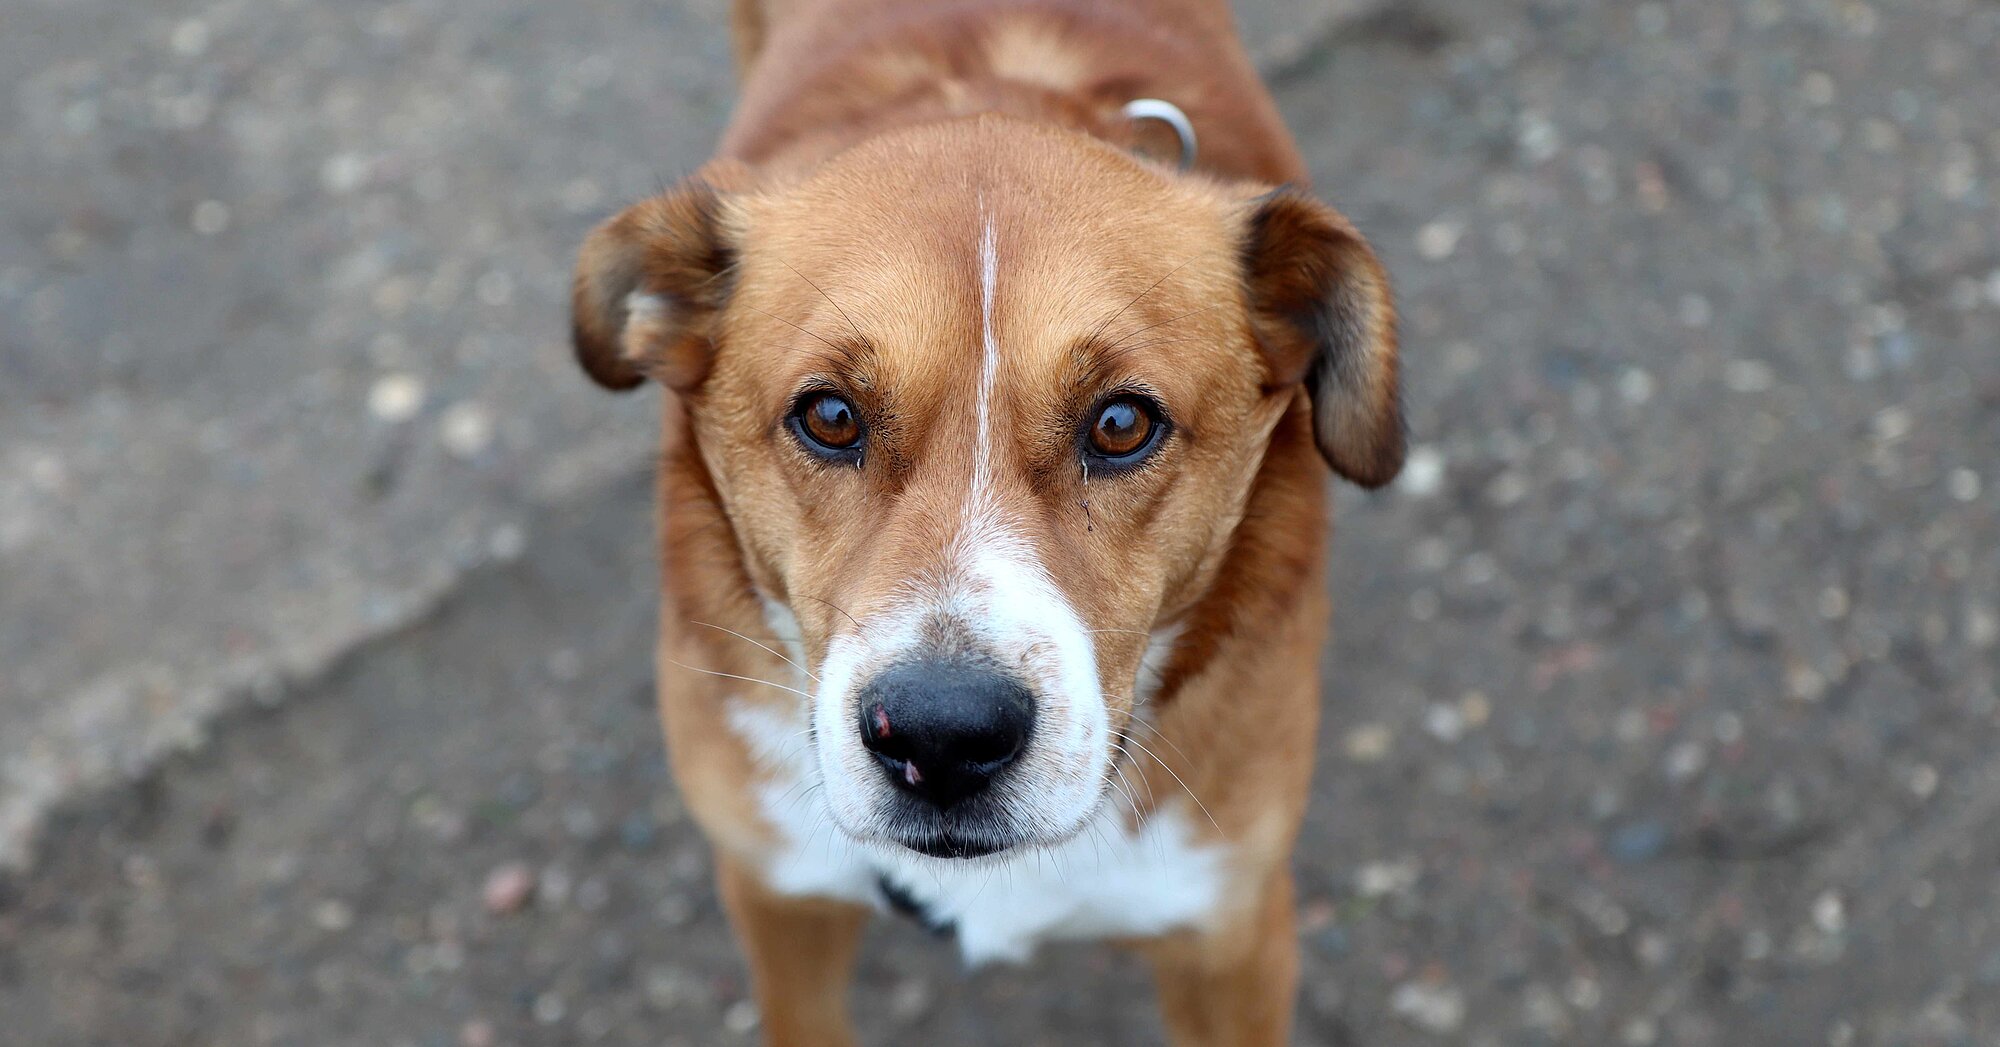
[{"x": 993, "y": 488}]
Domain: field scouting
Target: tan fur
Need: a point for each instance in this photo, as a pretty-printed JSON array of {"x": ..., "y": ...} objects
[{"x": 833, "y": 239}]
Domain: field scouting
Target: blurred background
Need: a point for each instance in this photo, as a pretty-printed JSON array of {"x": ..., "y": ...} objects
[{"x": 1662, "y": 697}]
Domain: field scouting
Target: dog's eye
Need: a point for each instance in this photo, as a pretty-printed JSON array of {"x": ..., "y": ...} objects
[
  {"x": 1124, "y": 429},
  {"x": 827, "y": 424}
]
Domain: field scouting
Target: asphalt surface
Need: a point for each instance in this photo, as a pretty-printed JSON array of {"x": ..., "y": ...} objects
[{"x": 1664, "y": 690}]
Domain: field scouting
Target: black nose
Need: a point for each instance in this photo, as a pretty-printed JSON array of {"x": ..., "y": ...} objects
[{"x": 942, "y": 730}]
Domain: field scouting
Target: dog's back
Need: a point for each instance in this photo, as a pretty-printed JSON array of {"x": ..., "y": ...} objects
[{"x": 828, "y": 71}]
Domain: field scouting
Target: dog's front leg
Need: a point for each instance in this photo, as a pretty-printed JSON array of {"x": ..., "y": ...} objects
[
  {"x": 1234, "y": 986},
  {"x": 801, "y": 953}
]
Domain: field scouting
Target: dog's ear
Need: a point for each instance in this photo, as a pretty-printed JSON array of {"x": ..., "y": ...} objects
[
  {"x": 650, "y": 286},
  {"x": 1320, "y": 306}
]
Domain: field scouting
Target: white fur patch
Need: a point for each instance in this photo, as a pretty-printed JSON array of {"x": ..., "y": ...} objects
[
  {"x": 1108, "y": 881},
  {"x": 989, "y": 356},
  {"x": 1153, "y": 664}
]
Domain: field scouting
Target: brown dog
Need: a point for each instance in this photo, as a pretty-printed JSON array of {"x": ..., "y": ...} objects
[{"x": 992, "y": 505}]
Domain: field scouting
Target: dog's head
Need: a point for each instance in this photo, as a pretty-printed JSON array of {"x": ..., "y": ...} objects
[{"x": 983, "y": 402}]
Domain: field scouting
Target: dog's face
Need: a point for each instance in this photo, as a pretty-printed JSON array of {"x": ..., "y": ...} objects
[{"x": 983, "y": 403}]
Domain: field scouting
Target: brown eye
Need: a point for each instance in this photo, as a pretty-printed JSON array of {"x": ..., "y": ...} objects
[
  {"x": 827, "y": 424},
  {"x": 1124, "y": 427}
]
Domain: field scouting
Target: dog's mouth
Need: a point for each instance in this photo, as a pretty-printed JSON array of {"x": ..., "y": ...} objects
[
  {"x": 981, "y": 835},
  {"x": 950, "y": 845},
  {"x": 954, "y": 835}
]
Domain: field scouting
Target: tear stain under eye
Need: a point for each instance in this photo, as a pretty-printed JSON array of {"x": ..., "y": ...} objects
[{"x": 1089, "y": 525}]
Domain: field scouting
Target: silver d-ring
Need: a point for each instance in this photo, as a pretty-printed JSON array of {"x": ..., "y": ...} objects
[{"x": 1169, "y": 114}]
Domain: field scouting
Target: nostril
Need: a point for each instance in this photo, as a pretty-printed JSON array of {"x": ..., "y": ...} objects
[
  {"x": 878, "y": 733},
  {"x": 992, "y": 748}
]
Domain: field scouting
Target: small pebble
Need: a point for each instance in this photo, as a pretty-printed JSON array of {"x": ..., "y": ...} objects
[
  {"x": 343, "y": 172},
  {"x": 333, "y": 915},
  {"x": 476, "y": 1033},
  {"x": 1376, "y": 879},
  {"x": 1436, "y": 1009},
  {"x": 553, "y": 890},
  {"x": 1982, "y": 626},
  {"x": 637, "y": 832},
  {"x": 665, "y": 988},
  {"x": 508, "y": 888},
  {"x": 1437, "y": 240},
  {"x": 494, "y": 288},
  {"x": 1368, "y": 743},
  {"x": 740, "y": 1018},
  {"x": 1584, "y": 993},
  {"x": 466, "y": 429},
  {"x": 396, "y": 397},
  {"x": 1829, "y": 912},
  {"x": 209, "y": 218},
  {"x": 507, "y": 542},
  {"x": 1748, "y": 376},
  {"x": 1444, "y": 722},
  {"x": 1685, "y": 760},
  {"x": 549, "y": 1008},
  {"x": 1923, "y": 781},
  {"x": 1638, "y": 842},
  {"x": 190, "y": 38},
  {"x": 1695, "y": 311},
  {"x": 1423, "y": 472},
  {"x": 1964, "y": 485},
  {"x": 1507, "y": 488},
  {"x": 1893, "y": 423},
  {"x": 910, "y": 999},
  {"x": 1635, "y": 386}
]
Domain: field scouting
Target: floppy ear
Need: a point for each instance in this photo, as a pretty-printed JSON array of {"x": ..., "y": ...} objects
[
  {"x": 650, "y": 285},
  {"x": 1320, "y": 305}
]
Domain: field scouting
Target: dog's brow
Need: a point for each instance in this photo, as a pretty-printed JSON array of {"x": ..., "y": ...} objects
[
  {"x": 1098, "y": 359},
  {"x": 829, "y": 300}
]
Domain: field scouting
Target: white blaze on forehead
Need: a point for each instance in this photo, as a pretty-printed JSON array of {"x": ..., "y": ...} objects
[{"x": 989, "y": 356}]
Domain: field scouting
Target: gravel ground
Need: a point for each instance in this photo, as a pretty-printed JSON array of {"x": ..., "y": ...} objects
[{"x": 1665, "y": 689}]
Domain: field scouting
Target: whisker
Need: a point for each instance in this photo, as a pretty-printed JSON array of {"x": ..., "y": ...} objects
[
  {"x": 1161, "y": 735},
  {"x": 745, "y": 679},
  {"x": 1151, "y": 800},
  {"x": 1184, "y": 786},
  {"x": 767, "y": 650}
]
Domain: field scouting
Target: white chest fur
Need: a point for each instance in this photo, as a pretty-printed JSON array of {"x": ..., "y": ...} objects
[{"x": 1108, "y": 881}]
